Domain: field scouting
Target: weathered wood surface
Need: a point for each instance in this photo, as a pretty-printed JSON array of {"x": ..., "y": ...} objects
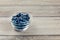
[
  {"x": 35, "y": 7},
  {"x": 39, "y": 26},
  {"x": 29, "y": 37},
  {"x": 34, "y": 10},
  {"x": 29, "y": 2},
  {"x": 46, "y": 14}
]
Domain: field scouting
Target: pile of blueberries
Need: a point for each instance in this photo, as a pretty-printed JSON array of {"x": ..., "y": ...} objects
[{"x": 21, "y": 20}]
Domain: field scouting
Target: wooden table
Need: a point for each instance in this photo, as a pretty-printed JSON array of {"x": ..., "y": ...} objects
[{"x": 46, "y": 16}]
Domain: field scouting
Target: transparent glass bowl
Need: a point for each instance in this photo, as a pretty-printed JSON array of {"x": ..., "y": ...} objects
[{"x": 25, "y": 27}]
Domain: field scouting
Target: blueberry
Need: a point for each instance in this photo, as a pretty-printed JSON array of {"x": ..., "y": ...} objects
[
  {"x": 14, "y": 18},
  {"x": 21, "y": 20},
  {"x": 18, "y": 15},
  {"x": 26, "y": 17},
  {"x": 20, "y": 26}
]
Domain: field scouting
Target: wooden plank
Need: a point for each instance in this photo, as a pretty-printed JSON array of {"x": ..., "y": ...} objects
[
  {"x": 29, "y": 2},
  {"x": 30, "y": 37},
  {"x": 38, "y": 26},
  {"x": 34, "y": 10}
]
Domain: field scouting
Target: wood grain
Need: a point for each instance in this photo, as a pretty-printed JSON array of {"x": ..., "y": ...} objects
[
  {"x": 39, "y": 26},
  {"x": 30, "y": 37},
  {"x": 46, "y": 16},
  {"x": 29, "y": 2},
  {"x": 33, "y": 10}
]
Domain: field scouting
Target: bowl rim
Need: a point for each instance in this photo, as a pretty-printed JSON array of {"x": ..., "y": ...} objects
[{"x": 18, "y": 13}]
